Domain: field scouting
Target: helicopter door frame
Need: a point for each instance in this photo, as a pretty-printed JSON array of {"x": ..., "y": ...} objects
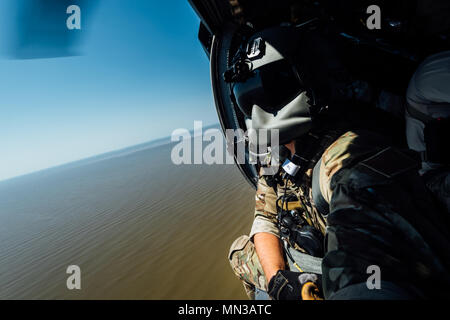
[{"x": 229, "y": 118}]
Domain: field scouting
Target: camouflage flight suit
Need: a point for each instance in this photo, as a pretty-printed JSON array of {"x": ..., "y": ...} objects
[
  {"x": 339, "y": 151},
  {"x": 378, "y": 212}
]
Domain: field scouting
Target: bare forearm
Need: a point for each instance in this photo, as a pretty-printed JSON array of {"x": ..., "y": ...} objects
[{"x": 270, "y": 253}]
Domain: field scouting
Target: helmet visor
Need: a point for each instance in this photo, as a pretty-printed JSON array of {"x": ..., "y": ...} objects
[{"x": 270, "y": 87}]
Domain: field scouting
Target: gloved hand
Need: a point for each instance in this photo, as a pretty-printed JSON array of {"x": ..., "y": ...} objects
[{"x": 289, "y": 285}]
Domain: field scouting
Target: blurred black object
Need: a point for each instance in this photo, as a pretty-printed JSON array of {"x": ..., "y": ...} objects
[{"x": 40, "y": 28}]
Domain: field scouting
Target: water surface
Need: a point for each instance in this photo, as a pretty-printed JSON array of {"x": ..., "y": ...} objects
[{"x": 138, "y": 226}]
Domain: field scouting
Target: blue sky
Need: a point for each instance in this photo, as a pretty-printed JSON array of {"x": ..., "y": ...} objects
[{"x": 143, "y": 74}]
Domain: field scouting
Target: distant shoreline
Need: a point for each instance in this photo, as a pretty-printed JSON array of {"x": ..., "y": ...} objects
[{"x": 108, "y": 155}]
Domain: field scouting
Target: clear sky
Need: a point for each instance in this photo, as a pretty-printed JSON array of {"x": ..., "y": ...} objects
[{"x": 143, "y": 74}]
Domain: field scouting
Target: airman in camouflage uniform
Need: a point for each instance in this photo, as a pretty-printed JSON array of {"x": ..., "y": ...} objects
[
  {"x": 357, "y": 185},
  {"x": 341, "y": 152},
  {"x": 322, "y": 184}
]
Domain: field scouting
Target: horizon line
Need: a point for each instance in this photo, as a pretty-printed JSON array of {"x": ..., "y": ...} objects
[{"x": 108, "y": 154}]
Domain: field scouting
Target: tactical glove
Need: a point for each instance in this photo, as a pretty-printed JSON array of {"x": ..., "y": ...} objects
[{"x": 288, "y": 285}]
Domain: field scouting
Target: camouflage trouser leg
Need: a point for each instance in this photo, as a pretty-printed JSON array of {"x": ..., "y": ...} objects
[{"x": 245, "y": 264}]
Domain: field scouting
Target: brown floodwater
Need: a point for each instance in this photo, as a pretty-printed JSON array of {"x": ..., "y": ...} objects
[{"x": 138, "y": 226}]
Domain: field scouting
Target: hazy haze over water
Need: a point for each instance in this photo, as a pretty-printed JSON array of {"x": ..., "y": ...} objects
[{"x": 138, "y": 226}]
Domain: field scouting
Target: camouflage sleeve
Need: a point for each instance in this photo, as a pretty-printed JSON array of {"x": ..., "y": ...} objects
[
  {"x": 344, "y": 152},
  {"x": 265, "y": 210}
]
